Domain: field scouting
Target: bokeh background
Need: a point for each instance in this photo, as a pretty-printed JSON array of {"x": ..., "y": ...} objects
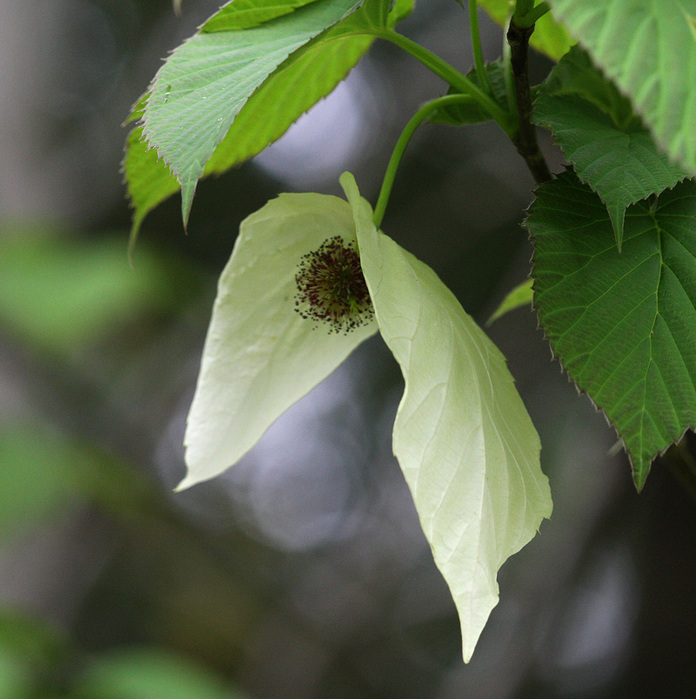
[{"x": 302, "y": 573}]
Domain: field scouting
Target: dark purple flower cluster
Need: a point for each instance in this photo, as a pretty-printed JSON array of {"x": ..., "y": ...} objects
[{"x": 331, "y": 287}]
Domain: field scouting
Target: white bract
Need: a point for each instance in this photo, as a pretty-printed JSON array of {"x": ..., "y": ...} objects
[
  {"x": 260, "y": 356},
  {"x": 462, "y": 436}
]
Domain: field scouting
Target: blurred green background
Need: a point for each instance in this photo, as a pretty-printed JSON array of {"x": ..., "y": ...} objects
[{"x": 302, "y": 573}]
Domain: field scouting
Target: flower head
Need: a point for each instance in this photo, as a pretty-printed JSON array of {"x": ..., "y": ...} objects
[
  {"x": 331, "y": 287},
  {"x": 462, "y": 436}
]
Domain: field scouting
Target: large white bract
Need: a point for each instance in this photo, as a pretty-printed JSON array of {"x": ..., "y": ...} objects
[{"x": 462, "y": 436}]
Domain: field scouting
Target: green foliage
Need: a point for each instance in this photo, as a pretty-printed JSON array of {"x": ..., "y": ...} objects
[
  {"x": 520, "y": 296},
  {"x": 648, "y": 49},
  {"x": 607, "y": 144},
  {"x": 613, "y": 269},
  {"x": 245, "y": 14},
  {"x": 623, "y": 323},
  {"x": 61, "y": 293},
  {"x": 471, "y": 112},
  {"x": 150, "y": 673},
  {"x": 264, "y": 110},
  {"x": 148, "y": 179},
  {"x": 27, "y": 648},
  {"x": 30, "y": 491},
  {"x": 204, "y": 84},
  {"x": 297, "y": 85},
  {"x": 400, "y": 10},
  {"x": 33, "y": 657}
]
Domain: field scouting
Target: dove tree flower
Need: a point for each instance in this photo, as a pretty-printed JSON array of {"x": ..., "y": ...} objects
[
  {"x": 613, "y": 277},
  {"x": 309, "y": 279}
]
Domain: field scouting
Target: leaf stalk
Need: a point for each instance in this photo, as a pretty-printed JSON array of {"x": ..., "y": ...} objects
[
  {"x": 477, "y": 48},
  {"x": 453, "y": 77},
  {"x": 416, "y": 120}
]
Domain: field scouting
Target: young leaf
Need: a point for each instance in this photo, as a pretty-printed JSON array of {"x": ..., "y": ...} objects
[
  {"x": 649, "y": 50},
  {"x": 260, "y": 355},
  {"x": 549, "y": 37},
  {"x": 462, "y": 436},
  {"x": 608, "y": 145},
  {"x": 400, "y": 10},
  {"x": 311, "y": 74},
  {"x": 244, "y": 14},
  {"x": 472, "y": 112},
  {"x": 521, "y": 295},
  {"x": 307, "y": 76},
  {"x": 623, "y": 323},
  {"x": 198, "y": 92}
]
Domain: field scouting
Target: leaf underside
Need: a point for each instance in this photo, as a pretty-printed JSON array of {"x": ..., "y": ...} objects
[
  {"x": 622, "y": 324},
  {"x": 307, "y": 76},
  {"x": 204, "y": 84}
]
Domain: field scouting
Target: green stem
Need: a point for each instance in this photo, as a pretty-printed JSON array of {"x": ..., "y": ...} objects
[
  {"x": 529, "y": 18},
  {"x": 476, "y": 46},
  {"x": 522, "y": 7},
  {"x": 416, "y": 120},
  {"x": 453, "y": 77}
]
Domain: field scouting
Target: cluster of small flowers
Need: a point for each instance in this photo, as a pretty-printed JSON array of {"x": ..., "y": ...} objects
[{"x": 331, "y": 287}]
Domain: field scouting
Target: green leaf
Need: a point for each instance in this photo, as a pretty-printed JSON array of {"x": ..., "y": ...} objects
[
  {"x": 648, "y": 49},
  {"x": 43, "y": 472},
  {"x": 260, "y": 355},
  {"x": 608, "y": 145},
  {"x": 306, "y": 77},
  {"x": 311, "y": 74},
  {"x": 60, "y": 294},
  {"x": 244, "y": 14},
  {"x": 148, "y": 180},
  {"x": 521, "y": 295},
  {"x": 29, "y": 649},
  {"x": 150, "y": 673},
  {"x": 549, "y": 37},
  {"x": 472, "y": 112},
  {"x": 623, "y": 323},
  {"x": 36, "y": 477},
  {"x": 400, "y": 10},
  {"x": 462, "y": 436},
  {"x": 198, "y": 92}
]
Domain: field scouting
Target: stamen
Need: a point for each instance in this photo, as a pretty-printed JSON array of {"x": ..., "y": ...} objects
[{"x": 331, "y": 287}]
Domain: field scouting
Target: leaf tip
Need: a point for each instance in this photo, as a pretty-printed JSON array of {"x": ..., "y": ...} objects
[{"x": 185, "y": 484}]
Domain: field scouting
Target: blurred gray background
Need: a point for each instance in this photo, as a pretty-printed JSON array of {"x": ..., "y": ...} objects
[{"x": 302, "y": 572}]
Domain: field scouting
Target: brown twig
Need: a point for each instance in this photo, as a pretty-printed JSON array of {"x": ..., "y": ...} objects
[{"x": 526, "y": 138}]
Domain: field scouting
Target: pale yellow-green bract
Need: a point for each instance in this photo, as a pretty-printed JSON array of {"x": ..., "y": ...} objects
[
  {"x": 462, "y": 436},
  {"x": 521, "y": 295},
  {"x": 260, "y": 356}
]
